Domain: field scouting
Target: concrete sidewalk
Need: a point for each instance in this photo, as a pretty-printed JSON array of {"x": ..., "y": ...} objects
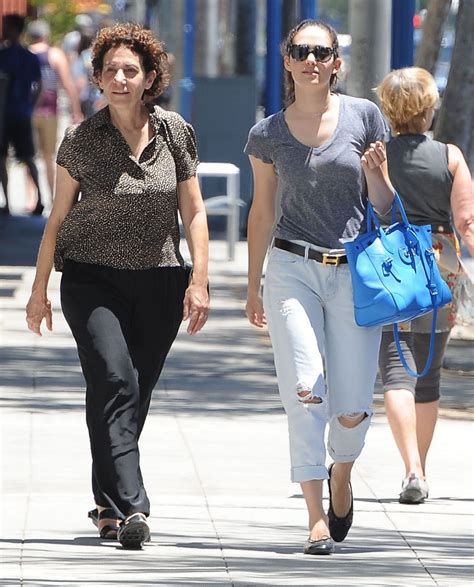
[{"x": 215, "y": 461}]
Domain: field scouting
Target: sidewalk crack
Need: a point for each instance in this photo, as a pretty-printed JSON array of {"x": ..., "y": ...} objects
[
  {"x": 206, "y": 501},
  {"x": 28, "y": 496}
]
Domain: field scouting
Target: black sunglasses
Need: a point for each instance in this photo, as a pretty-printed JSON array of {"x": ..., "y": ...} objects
[{"x": 301, "y": 52}]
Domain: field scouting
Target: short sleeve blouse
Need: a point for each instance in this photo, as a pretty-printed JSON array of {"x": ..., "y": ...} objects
[{"x": 126, "y": 216}]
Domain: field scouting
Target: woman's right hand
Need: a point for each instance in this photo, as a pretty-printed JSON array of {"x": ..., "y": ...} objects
[
  {"x": 254, "y": 310},
  {"x": 37, "y": 309}
]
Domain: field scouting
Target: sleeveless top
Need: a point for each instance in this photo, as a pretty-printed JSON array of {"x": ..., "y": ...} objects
[
  {"x": 48, "y": 101},
  {"x": 418, "y": 170}
]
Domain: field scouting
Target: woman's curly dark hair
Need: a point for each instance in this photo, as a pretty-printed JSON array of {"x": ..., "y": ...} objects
[{"x": 142, "y": 42}]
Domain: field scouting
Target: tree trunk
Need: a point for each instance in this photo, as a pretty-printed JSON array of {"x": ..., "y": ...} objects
[
  {"x": 370, "y": 49},
  {"x": 428, "y": 50},
  {"x": 456, "y": 116}
]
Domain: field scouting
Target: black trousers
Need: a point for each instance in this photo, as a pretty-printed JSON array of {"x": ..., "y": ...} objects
[{"x": 124, "y": 323}]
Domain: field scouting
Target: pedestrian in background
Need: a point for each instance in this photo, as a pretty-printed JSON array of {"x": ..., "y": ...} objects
[
  {"x": 55, "y": 73},
  {"x": 83, "y": 24},
  {"x": 23, "y": 79},
  {"x": 125, "y": 288},
  {"x": 434, "y": 183},
  {"x": 325, "y": 152},
  {"x": 81, "y": 70}
]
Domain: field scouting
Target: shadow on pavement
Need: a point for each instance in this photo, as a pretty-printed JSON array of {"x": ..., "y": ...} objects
[
  {"x": 281, "y": 541},
  {"x": 214, "y": 378}
]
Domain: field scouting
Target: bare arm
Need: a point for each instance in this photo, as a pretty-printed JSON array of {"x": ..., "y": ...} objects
[
  {"x": 39, "y": 307},
  {"x": 193, "y": 215},
  {"x": 61, "y": 65},
  {"x": 462, "y": 199},
  {"x": 379, "y": 187},
  {"x": 260, "y": 224}
]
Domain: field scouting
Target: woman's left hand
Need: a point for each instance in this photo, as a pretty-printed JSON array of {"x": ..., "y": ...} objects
[
  {"x": 196, "y": 307},
  {"x": 374, "y": 156},
  {"x": 379, "y": 188}
]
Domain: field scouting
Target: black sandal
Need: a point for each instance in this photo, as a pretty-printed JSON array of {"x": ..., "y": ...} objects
[
  {"x": 108, "y": 532},
  {"x": 339, "y": 527}
]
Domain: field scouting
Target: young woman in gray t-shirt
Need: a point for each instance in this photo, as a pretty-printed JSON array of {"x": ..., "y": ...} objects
[{"x": 325, "y": 153}]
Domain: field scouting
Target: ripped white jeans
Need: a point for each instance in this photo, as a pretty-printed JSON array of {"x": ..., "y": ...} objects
[{"x": 318, "y": 347}]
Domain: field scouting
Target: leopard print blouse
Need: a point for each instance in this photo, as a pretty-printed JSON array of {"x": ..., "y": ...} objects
[{"x": 126, "y": 216}]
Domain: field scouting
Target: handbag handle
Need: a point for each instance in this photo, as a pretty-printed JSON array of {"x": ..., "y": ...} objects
[
  {"x": 429, "y": 360},
  {"x": 373, "y": 221}
]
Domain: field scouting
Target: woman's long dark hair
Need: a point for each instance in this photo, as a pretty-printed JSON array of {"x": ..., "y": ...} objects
[{"x": 285, "y": 48}]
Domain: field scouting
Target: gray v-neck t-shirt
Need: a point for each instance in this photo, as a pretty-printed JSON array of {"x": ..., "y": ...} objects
[{"x": 323, "y": 189}]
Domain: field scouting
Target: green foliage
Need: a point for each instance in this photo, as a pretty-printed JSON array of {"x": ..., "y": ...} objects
[{"x": 59, "y": 14}]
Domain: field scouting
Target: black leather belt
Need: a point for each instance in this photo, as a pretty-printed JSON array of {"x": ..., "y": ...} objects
[{"x": 324, "y": 258}]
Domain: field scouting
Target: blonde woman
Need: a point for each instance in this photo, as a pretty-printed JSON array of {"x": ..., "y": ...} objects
[{"x": 434, "y": 183}]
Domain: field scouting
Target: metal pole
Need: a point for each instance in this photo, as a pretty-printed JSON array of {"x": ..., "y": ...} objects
[
  {"x": 246, "y": 36},
  {"x": 370, "y": 29},
  {"x": 273, "y": 81},
  {"x": 308, "y": 9},
  {"x": 403, "y": 12},
  {"x": 140, "y": 11},
  {"x": 187, "y": 84},
  {"x": 212, "y": 38},
  {"x": 233, "y": 191}
]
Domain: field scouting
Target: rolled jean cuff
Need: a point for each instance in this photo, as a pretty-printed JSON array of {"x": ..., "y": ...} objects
[
  {"x": 308, "y": 473},
  {"x": 345, "y": 444}
]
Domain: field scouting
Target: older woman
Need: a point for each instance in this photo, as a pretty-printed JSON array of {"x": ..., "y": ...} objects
[
  {"x": 434, "y": 183},
  {"x": 122, "y": 177}
]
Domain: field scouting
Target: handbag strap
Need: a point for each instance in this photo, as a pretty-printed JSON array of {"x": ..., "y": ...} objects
[
  {"x": 426, "y": 259},
  {"x": 372, "y": 217},
  {"x": 429, "y": 360}
]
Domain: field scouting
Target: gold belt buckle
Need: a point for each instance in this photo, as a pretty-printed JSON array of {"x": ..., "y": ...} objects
[{"x": 331, "y": 259}]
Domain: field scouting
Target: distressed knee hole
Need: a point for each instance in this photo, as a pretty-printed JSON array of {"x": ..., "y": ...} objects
[
  {"x": 352, "y": 420},
  {"x": 305, "y": 394}
]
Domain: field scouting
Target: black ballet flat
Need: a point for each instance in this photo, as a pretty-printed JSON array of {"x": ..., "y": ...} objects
[
  {"x": 339, "y": 527},
  {"x": 323, "y": 546}
]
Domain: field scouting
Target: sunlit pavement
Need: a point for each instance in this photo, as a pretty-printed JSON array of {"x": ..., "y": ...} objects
[{"x": 215, "y": 461}]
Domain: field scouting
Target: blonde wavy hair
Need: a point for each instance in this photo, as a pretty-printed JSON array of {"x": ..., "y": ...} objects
[{"x": 405, "y": 96}]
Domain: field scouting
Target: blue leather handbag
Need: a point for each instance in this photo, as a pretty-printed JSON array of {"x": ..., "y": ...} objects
[{"x": 395, "y": 276}]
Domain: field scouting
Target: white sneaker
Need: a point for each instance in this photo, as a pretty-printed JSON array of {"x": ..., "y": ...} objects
[{"x": 414, "y": 490}]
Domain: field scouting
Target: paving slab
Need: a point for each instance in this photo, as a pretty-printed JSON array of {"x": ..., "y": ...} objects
[{"x": 215, "y": 460}]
